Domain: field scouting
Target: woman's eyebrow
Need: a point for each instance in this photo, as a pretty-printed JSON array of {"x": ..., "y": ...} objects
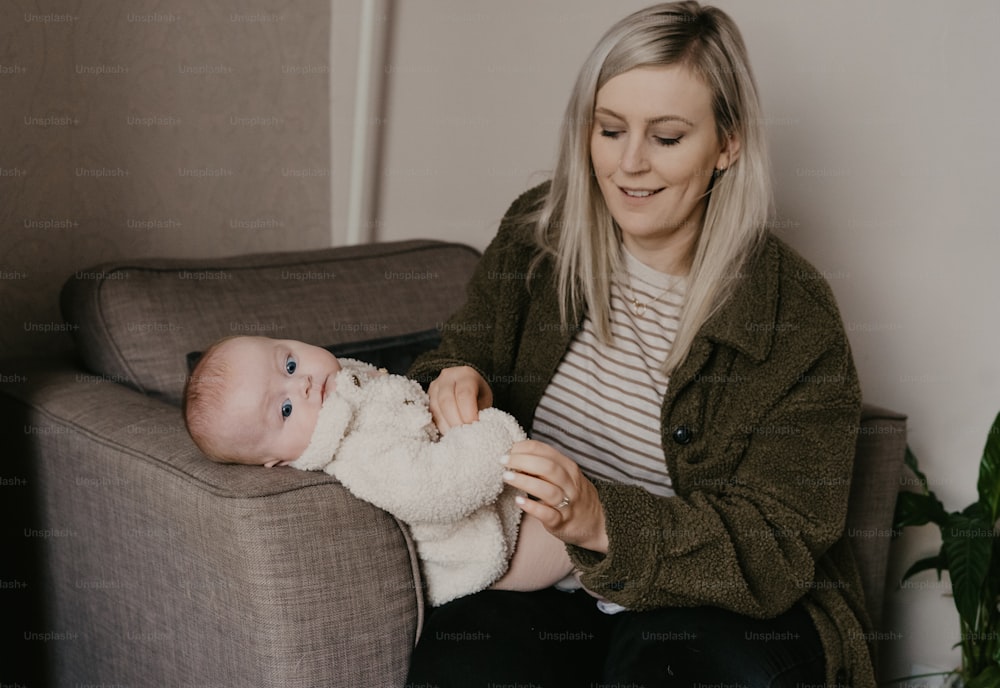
[{"x": 652, "y": 120}]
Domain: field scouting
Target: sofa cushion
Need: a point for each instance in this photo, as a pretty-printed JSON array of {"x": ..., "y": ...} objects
[
  {"x": 395, "y": 354},
  {"x": 136, "y": 321}
]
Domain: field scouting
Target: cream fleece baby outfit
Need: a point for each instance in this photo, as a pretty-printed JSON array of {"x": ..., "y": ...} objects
[{"x": 376, "y": 436}]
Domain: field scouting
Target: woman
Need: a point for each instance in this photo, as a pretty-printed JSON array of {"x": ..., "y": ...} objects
[{"x": 688, "y": 386}]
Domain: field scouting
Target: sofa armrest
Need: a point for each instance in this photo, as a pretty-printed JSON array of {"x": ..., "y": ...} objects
[
  {"x": 162, "y": 568},
  {"x": 878, "y": 465}
]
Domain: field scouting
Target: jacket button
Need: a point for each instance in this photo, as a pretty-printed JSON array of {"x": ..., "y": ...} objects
[{"x": 682, "y": 434}]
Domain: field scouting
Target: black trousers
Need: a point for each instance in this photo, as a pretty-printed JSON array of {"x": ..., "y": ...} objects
[{"x": 553, "y": 639}]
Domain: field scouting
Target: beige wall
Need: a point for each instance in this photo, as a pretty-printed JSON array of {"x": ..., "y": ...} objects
[
  {"x": 154, "y": 127},
  {"x": 882, "y": 122}
]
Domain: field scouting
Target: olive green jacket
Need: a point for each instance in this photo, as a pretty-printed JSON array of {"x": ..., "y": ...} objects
[{"x": 758, "y": 431}]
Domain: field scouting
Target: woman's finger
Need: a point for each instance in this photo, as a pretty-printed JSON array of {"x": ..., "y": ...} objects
[
  {"x": 548, "y": 493},
  {"x": 456, "y": 396},
  {"x": 467, "y": 400},
  {"x": 540, "y": 460},
  {"x": 567, "y": 503},
  {"x": 444, "y": 414},
  {"x": 548, "y": 516}
]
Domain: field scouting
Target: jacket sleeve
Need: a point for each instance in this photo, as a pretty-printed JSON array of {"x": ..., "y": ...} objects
[{"x": 748, "y": 541}]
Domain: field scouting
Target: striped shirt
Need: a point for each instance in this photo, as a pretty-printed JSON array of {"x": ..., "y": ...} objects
[{"x": 602, "y": 407}]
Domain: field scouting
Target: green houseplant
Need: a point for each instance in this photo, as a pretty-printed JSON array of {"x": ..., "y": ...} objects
[{"x": 970, "y": 552}]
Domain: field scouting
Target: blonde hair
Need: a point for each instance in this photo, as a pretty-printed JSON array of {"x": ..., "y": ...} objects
[
  {"x": 573, "y": 223},
  {"x": 205, "y": 394}
]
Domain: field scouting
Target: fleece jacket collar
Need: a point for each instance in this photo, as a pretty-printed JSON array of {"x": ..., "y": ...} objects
[{"x": 747, "y": 321}]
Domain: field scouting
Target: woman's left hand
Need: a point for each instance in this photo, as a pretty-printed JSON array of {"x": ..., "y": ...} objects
[{"x": 567, "y": 502}]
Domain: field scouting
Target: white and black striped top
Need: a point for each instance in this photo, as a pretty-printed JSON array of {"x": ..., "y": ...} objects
[{"x": 602, "y": 408}]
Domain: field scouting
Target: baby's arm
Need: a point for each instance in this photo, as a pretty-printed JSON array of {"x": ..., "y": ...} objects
[{"x": 430, "y": 482}]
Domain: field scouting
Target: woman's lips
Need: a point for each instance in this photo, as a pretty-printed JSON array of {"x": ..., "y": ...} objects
[{"x": 638, "y": 195}]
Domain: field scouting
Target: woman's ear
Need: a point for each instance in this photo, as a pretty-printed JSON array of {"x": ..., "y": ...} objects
[{"x": 730, "y": 152}]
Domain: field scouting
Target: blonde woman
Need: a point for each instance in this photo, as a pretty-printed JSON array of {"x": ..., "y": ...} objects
[{"x": 689, "y": 389}]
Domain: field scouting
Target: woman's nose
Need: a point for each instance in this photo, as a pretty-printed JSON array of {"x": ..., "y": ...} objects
[{"x": 634, "y": 157}]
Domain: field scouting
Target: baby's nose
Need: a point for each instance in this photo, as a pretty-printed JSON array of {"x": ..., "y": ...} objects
[{"x": 305, "y": 384}]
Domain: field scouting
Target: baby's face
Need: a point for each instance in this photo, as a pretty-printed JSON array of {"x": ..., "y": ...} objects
[{"x": 276, "y": 391}]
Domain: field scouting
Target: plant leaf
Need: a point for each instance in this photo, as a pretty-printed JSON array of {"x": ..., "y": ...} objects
[
  {"x": 987, "y": 678},
  {"x": 989, "y": 472},
  {"x": 937, "y": 562},
  {"x": 910, "y": 459},
  {"x": 915, "y": 509},
  {"x": 968, "y": 544}
]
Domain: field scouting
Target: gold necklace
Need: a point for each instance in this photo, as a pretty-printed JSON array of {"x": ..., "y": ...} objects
[{"x": 638, "y": 307}]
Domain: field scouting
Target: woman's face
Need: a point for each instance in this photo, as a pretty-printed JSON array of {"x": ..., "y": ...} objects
[{"x": 653, "y": 148}]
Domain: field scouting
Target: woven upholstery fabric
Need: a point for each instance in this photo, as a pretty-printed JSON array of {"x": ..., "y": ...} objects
[
  {"x": 165, "y": 569},
  {"x": 136, "y": 322},
  {"x": 878, "y": 467}
]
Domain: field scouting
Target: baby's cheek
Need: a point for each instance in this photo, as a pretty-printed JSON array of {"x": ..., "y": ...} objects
[{"x": 304, "y": 432}]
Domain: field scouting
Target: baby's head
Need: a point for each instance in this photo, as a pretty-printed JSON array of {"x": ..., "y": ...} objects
[{"x": 255, "y": 400}]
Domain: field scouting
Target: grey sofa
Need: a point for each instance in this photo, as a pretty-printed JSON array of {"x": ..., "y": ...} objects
[{"x": 150, "y": 565}]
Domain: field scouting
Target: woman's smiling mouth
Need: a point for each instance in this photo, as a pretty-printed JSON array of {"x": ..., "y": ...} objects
[{"x": 639, "y": 193}]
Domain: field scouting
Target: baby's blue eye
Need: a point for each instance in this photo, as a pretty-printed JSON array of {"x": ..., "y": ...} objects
[
  {"x": 286, "y": 409},
  {"x": 290, "y": 365}
]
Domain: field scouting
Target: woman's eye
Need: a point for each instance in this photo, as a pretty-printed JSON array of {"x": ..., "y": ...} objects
[
  {"x": 290, "y": 365},
  {"x": 610, "y": 133},
  {"x": 667, "y": 142},
  {"x": 286, "y": 409}
]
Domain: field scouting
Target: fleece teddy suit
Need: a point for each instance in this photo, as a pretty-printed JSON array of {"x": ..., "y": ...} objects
[{"x": 376, "y": 436}]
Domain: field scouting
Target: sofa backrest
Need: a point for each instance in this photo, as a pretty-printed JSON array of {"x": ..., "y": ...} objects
[{"x": 136, "y": 321}]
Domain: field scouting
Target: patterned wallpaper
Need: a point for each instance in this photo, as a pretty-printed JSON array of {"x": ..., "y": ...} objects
[{"x": 154, "y": 127}]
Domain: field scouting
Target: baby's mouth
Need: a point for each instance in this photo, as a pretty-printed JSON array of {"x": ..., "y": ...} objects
[{"x": 329, "y": 386}]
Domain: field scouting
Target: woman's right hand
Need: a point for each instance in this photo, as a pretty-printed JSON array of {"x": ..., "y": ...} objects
[{"x": 456, "y": 397}]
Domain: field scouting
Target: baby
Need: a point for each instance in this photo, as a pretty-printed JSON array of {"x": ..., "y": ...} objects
[{"x": 270, "y": 402}]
